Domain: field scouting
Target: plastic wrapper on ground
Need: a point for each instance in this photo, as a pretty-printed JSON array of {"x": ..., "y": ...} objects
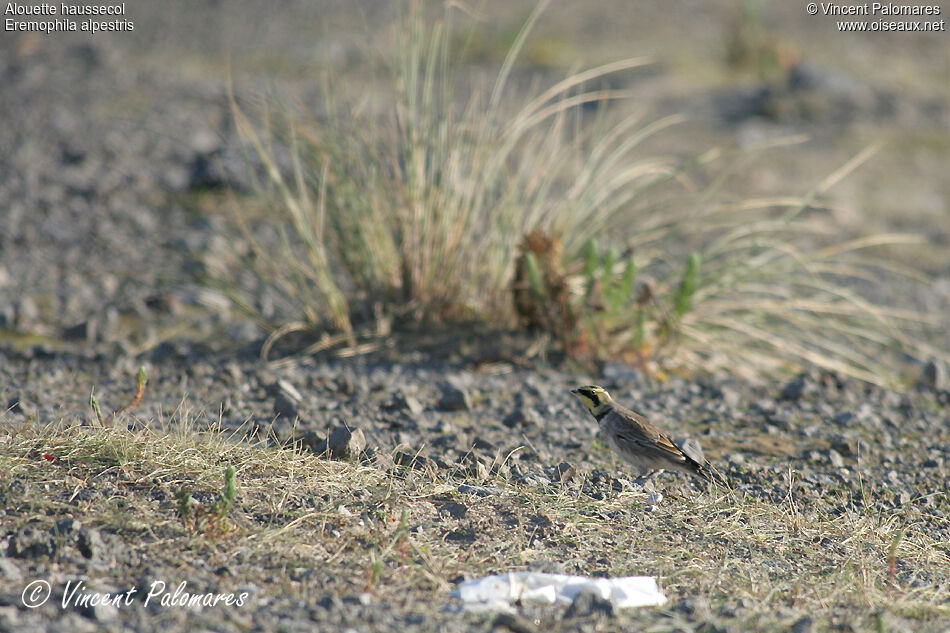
[{"x": 499, "y": 592}]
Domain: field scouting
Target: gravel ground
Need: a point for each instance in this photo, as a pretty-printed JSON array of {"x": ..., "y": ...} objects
[
  {"x": 111, "y": 145},
  {"x": 845, "y": 444}
]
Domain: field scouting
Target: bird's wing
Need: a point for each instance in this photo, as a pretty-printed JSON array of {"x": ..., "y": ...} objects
[
  {"x": 659, "y": 446},
  {"x": 637, "y": 431}
]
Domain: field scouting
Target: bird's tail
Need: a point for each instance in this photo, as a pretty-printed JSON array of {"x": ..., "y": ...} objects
[{"x": 708, "y": 472}]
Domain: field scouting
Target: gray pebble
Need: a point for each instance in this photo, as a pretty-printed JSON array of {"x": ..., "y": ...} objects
[
  {"x": 520, "y": 416},
  {"x": 9, "y": 571},
  {"x": 588, "y": 604},
  {"x": 30, "y": 542},
  {"x": 345, "y": 443},
  {"x": 933, "y": 376},
  {"x": 90, "y": 544},
  {"x": 454, "y": 398},
  {"x": 20, "y": 406},
  {"x": 835, "y": 458},
  {"x": 454, "y": 510},
  {"x": 479, "y": 491},
  {"x": 285, "y": 407},
  {"x": 803, "y": 625}
]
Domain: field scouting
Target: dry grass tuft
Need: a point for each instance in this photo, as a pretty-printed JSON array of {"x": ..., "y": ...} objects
[{"x": 431, "y": 211}]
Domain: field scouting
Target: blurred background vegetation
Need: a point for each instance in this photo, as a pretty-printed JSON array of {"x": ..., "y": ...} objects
[{"x": 739, "y": 183}]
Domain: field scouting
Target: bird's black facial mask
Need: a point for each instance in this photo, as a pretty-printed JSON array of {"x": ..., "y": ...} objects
[
  {"x": 590, "y": 393},
  {"x": 594, "y": 400}
]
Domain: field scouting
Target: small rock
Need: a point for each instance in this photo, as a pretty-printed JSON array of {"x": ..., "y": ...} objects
[
  {"x": 520, "y": 416},
  {"x": 933, "y": 377},
  {"x": 330, "y": 602},
  {"x": 416, "y": 620},
  {"x": 345, "y": 443},
  {"x": 103, "y": 612},
  {"x": 298, "y": 574},
  {"x": 479, "y": 491},
  {"x": 84, "y": 332},
  {"x": 164, "y": 303},
  {"x": 765, "y": 406},
  {"x": 835, "y": 458},
  {"x": 80, "y": 621},
  {"x": 27, "y": 313},
  {"x": 587, "y": 604},
  {"x": 655, "y": 498},
  {"x": 850, "y": 446},
  {"x": 696, "y": 607},
  {"x": 90, "y": 544},
  {"x": 405, "y": 402},
  {"x": 621, "y": 483},
  {"x": 803, "y": 624},
  {"x": 9, "y": 571},
  {"x": 902, "y": 498},
  {"x": 19, "y": 406},
  {"x": 730, "y": 396},
  {"x": 286, "y": 387},
  {"x": 844, "y": 418},
  {"x": 484, "y": 445},
  {"x": 452, "y": 509},
  {"x": 283, "y": 429},
  {"x": 546, "y": 566},
  {"x": 798, "y": 387},
  {"x": 566, "y": 471},
  {"x": 167, "y": 350},
  {"x": 462, "y": 535},
  {"x": 29, "y": 542},
  {"x": 65, "y": 527},
  {"x": 7, "y": 315},
  {"x": 285, "y": 407},
  {"x": 287, "y": 400},
  {"x": 514, "y": 623},
  {"x": 562, "y": 473},
  {"x": 413, "y": 460},
  {"x": 454, "y": 398},
  {"x": 345, "y": 386},
  {"x": 204, "y": 173},
  {"x": 692, "y": 448},
  {"x": 479, "y": 470}
]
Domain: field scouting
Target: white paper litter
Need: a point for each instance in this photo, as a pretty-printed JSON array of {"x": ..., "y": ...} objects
[{"x": 497, "y": 593}]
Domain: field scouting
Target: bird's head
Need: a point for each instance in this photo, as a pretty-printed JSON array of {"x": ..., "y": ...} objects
[{"x": 594, "y": 398}]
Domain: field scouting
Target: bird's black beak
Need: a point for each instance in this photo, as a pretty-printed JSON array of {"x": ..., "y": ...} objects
[{"x": 575, "y": 391}]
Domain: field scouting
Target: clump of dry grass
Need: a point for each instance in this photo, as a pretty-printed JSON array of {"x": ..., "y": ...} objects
[
  {"x": 427, "y": 208},
  {"x": 420, "y": 209},
  {"x": 423, "y": 212}
]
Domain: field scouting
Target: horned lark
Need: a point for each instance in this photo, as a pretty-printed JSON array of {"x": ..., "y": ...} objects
[{"x": 637, "y": 440}]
